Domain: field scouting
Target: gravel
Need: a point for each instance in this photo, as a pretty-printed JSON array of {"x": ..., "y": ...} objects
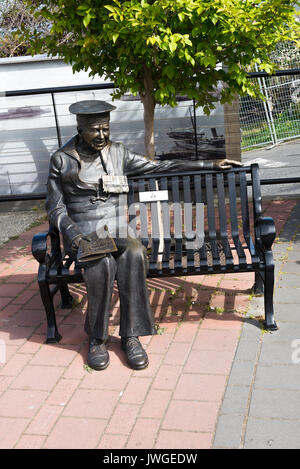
[{"x": 14, "y": 223}]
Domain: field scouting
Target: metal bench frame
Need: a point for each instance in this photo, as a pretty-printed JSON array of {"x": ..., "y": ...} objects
[{"x": 228, "y": 247}]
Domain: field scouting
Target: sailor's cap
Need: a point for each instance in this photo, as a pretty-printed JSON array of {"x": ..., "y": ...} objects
[{"x": 91, "y": 107}]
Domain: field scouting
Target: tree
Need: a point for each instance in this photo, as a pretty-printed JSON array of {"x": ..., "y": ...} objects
[
  {"x": 13, "y": 13},
  {"x": 161, "y": 48}
]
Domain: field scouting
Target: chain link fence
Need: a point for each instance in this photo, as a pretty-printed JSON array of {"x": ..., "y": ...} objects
[{"x": 277, "y": 118}]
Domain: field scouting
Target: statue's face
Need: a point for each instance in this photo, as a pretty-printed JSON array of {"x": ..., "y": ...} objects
[{"x": 94, "y": 132}]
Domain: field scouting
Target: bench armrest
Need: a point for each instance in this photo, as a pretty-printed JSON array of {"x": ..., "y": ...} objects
[
  {"x": 265, "y": 232},
  {"x": 39, "y": 247}
]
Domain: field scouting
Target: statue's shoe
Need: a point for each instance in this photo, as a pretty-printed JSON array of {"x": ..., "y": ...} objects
[
  {"x": 135, "y": 354},
  {"x": 98, "y": 357}
]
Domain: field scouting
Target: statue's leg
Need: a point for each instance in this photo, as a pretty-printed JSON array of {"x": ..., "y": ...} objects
[
  {"x": 136, "y": 318},
  {"x": 99, "y": 278}
]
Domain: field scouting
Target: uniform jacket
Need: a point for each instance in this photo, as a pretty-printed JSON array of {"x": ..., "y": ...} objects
[{"x": 72, "y": 205}]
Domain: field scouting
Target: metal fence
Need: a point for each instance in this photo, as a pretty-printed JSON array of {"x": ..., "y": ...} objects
[
  {"x": 275, "y": 119},
  {"x": 29, "y": 133},
  {"x": 35, "y": 122}
]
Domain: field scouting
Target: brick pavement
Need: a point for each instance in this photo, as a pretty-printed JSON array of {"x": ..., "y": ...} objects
[{"x": 50, "y": 399}]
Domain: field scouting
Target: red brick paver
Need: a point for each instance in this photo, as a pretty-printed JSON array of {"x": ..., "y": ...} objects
[{"x": 50, "y": 399}]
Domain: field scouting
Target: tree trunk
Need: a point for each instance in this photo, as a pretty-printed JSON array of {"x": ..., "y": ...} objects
[{"x": 149, "y": 107}]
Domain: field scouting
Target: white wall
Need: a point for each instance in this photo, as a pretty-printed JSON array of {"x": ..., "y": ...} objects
[{"x": 27, "y": 126}]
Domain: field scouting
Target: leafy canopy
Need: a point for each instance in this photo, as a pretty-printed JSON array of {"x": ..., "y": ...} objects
[{"x": 178, "y": 43}]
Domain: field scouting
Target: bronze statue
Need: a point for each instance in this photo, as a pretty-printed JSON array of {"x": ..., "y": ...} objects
[{"x": 87, "y": 179}]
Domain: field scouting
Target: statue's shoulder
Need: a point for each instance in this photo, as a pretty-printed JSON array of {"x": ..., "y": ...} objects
[
  {"x": 116, "y": 145},
  {"x": 116, "y": 149}
]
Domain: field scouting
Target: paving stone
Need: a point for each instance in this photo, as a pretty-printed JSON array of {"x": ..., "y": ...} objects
[
  {"x": 30, "y": 442},
  {"x": 209, "y": 362},
  {"x": 156, "y": 403},
  {"x": 251, "y": 329},
  {"x": 293, "y": 254},
  {"x": 290, "y": 267},
  {"x": 183, "y": 440},
  {"x": 143, "y": 434},
  {"x": 241, "y": 372},
  {"x": 287, "y": 332},
  {"x": 235, "y": 400},
  {"x": 112, "y": 442},
  {"x": 87, "y": 403},
  {"x": 136, "y": 390},
  {"x": 123, "y": 419},
  {"x": 247, "y": 350},
  {"x": 276, "y": 353},
  {"x": 228, "y": 431},
  {"x": 275, "y": 404},
  {"x": 75, "y": 433},
  {"x": 276, "y": 376},
  {"x": 280, "y": 247},
  {"x": 200, "y": 387},
  {"x": 288, "y": 280},
  {"x": 167, "y": 377},
  {"x": 272, "y": 434},
  {"x": 284, "y": 312},
  {"x": 44, "y": 421},
  {"x": 10, "y": 431},
  {"x": 191, "y": 416},
  {"x": 21, "y": 403},
  {"x": 256, "y": 307},
  {"x": 38, "y": 378},
  {"x": 287, "y": 295}
]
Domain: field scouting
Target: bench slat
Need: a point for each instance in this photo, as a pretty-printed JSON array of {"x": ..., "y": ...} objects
[
  {"x": 246, "y": 218},
  {"x": 143, "y": 216},
  {"x": 188, "y": 223},
  {"x": 212, "y": 235},
  {"x": 199, "y": 200},
  {"x": 131, "y": 207},
  {"x": 155, "y": 233},
  {"x": 177, "y": 223},
  {"x": 165, "y": 210},
  {"x": 223, "y": 221},
  {"x": 234, "y": 219}
]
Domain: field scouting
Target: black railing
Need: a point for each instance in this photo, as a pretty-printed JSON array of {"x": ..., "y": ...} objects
[{"x": 104, "y": 86}]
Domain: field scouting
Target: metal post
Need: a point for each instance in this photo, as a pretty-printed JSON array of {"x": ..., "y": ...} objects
[
  {"x": 195, "y": 129},
  {"x": 263, "y": 90},
  {"x": 56, "y": 121}
]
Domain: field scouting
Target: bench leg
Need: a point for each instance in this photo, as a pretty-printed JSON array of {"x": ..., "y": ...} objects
[
  {"x": 66, "y": 297},
  {"x": 270, "y": 323},
  {"x": 258, "y": 287},
  {"x": 53, "y": 335}
]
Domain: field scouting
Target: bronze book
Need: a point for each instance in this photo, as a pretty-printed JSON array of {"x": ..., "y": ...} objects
[{"x": 96, "y": 248}]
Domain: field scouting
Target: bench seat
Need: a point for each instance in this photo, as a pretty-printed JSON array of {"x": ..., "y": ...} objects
[{"x": 192, "y": 223}]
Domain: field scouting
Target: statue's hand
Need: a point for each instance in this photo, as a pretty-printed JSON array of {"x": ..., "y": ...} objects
[
  {"x": 226, "y": 164},
  {"x": 76, "y": 241}
]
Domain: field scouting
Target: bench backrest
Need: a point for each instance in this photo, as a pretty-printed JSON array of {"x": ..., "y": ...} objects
[{"x": 191, "y": 208}]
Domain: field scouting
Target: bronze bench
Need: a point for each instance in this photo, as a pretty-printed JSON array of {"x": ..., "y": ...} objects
[{"x": 166, "y": 212}]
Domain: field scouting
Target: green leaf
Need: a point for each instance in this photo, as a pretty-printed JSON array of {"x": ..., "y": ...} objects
[
  {"x": 86, "y": 20},
  {"x": 115, "y": 37},
  {"x": 173, "y": 46},
  {"x": 84, "y": 6},
  {"x": 110, "y": 8}
]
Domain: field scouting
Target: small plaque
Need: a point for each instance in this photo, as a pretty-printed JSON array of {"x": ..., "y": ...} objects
[
  {"x": 153, "y": 196},
  {"x": 96, "y": 248}
]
